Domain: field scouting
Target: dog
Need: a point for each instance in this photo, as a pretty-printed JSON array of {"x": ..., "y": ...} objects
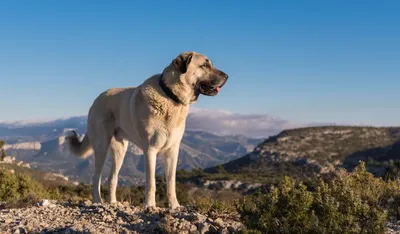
[{"x": 152, "y": 116}]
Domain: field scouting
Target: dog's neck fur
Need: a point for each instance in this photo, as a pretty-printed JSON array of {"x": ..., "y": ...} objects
[{"x": 185, "y": 93}]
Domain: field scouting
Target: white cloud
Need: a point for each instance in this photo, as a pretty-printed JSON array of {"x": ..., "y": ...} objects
[
  {"x": 223, "y": 122},
  {"x": 219, "y": 122}
]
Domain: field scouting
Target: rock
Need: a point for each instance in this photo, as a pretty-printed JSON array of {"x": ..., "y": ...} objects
[
  {"x": 7, "y": 159},
  {"x": 193, "y": 228},
  {"x": 104, "y": 218},
  {"x": 26, "y": 165},
  {"x": 125, "y": 204},
  {"x": 8, "y": 221},
  {"x": 120, "y": 221},
  {"x": 219, "y": 222},
  {"x": 19, "y": 230},
  {"x": 87, "y": 203},
  {"x": 68, "y": 231},
  {"x": 44, "y": 202},
  {"x": 203, "y": 227},
  {"x": 231, "y": 229},
  {"x": 213, "y": 229}
]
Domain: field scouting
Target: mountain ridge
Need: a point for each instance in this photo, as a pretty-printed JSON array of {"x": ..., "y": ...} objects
[
  {"x": 198, "y": 149},
  {"x": 321, "y": 148}
]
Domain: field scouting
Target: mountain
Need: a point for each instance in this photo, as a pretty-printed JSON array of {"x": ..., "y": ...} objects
[
  {"x": 41, "y": 144},
  {"x": 198, "y": 149},
  {"x": 212, "y": 137},
  {"x": 303, "y": 151},
  {"x": 25, "y": 131}
]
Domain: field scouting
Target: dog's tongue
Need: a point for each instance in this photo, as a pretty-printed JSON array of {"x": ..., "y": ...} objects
[{"x": 218, "y": 89}]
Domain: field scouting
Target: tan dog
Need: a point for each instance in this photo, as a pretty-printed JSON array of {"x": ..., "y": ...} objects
[{"x": 152, "y": 116}]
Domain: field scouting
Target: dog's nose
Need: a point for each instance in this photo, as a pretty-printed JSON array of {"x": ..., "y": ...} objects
[{"x": 224, "y": 75}]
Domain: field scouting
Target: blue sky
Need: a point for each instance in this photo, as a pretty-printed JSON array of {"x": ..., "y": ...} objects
[{"x": 307, "y": 61}]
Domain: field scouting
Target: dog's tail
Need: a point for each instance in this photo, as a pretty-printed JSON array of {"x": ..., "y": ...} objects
[{"x": 83, "y": 148}]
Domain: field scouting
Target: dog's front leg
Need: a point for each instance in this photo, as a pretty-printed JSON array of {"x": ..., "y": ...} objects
[
  {"x": 150, "y": 165},
  {"x": 170, "y": 163}
]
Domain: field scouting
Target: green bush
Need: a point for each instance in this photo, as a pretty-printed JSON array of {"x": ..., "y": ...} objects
[
  {"x": 209, "y": 205},
  {"x": 21, "y": 187},
  {"x": 2, "y": 151},
  {"x": 349, "y": 203}
]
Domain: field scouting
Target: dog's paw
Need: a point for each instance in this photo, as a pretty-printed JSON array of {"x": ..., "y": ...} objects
[
  {"x": 178, "y": 208},
  {"x": 152, "y": 209}
]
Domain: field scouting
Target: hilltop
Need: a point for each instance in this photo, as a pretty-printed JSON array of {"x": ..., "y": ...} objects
[{"x": 302, "y": 152}]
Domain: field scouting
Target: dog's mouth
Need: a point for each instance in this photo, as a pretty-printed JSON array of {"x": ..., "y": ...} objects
[{"x": 208, "y": 89}]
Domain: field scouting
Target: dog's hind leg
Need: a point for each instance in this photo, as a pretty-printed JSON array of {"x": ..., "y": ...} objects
[
  {"x": 100, "y": 135},
  {"x": 100, "y": 157},
  {"x": 118, "y": 148}
]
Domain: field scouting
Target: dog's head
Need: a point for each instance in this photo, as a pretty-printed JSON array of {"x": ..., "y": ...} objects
[{"x": 198, "y": 71}]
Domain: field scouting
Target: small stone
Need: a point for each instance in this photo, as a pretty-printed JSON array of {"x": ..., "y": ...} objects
[
  {"x": 231, "y": 229},
  {"x": 120, "y": 221},
  {"x": 8, "y": 221},
  {"x": 44, "y": 202},
  {"x": 87, "y": 203},
  {"x": 180, "y": 225},
  {"x": 19, "y": 230},
  {"x": 125, "y": 204},
  {"x": 203, "y": 227},
  {"x": 219, "y": 222},
  {"x": 213, "y": 229},
  {"x": 68, "y": 231},
  {"x": 109, "y": 218},
  {"x": 193, "y": 228}
]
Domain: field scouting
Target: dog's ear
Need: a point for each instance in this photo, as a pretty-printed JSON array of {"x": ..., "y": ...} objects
[{"x": 182, "y": 61}]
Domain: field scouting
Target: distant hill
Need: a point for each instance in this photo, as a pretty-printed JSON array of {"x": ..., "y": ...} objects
[
  {"x": 212, "y": 137},
  {"x": 302, "y": 151},
  {"x": 198, "y": 150}
]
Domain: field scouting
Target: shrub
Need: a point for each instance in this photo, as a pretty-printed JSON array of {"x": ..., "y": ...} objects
[
  {"x": 349, "y": 203},
  {"x": 15, "y": 188},
  {"x": 208, "y": 206},
  {"x": 2, "y": 151},
  {"x": 393, "y": 170}
]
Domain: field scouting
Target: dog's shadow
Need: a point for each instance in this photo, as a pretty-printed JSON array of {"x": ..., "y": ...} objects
[{"x": 149, "y": 224}]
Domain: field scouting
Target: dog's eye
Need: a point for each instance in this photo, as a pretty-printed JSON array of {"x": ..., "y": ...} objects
[{"x": 204, "y": 65}]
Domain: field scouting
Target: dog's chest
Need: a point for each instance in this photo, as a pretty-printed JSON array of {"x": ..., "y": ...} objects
[
  {"x": 174, "y": 126},
  {"x": 175, "y": 118}
]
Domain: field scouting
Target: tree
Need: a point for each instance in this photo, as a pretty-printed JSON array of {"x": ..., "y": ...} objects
[
  {"x": 3, "y": 152},
  {"x": 221, "y": 169}
]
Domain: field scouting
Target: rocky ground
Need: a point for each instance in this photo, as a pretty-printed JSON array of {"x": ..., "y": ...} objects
[
  {"x": 393, "y": 227},
  {"x": 85, "y": 217}
]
